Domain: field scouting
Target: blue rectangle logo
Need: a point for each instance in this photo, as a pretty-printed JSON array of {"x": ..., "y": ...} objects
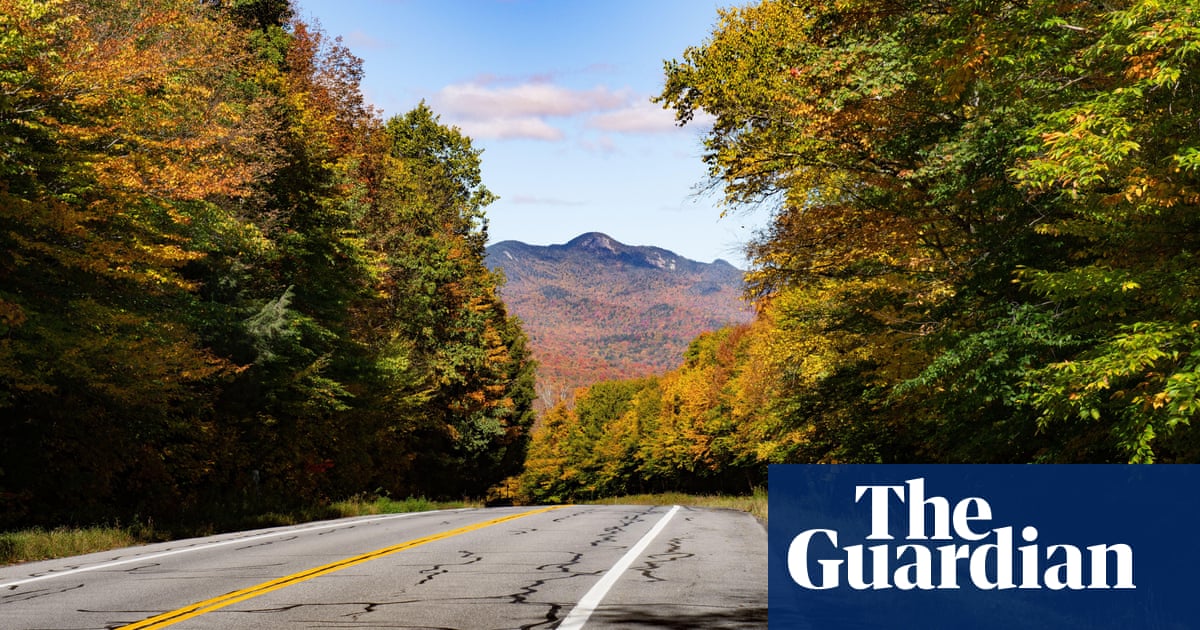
[{"x": 983, "y": 546}]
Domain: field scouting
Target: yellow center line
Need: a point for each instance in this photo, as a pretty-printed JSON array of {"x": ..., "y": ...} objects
[{"x": 209, "y": 605}]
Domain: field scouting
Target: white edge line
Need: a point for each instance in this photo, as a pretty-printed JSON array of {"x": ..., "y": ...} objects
[
  {"x": 203, "y": 546},
  {"x": 591, "y": 600}
]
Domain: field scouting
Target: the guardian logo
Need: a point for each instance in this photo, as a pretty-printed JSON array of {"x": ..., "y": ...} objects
[{"x": 949, "y": 546}]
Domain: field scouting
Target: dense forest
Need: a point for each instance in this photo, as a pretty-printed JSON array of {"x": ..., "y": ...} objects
[
  {"x": 983, "y": 247},
  {"x": 228, "y": 284}
]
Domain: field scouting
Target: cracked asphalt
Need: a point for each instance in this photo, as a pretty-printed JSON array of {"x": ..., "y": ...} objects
[{"x": 706, "y": 569}]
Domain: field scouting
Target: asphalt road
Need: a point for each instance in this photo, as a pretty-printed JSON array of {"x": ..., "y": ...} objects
[{"x": 499, "y": 568}]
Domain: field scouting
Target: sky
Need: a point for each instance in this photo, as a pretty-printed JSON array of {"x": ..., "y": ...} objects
[{"x": 557, "y": 94}]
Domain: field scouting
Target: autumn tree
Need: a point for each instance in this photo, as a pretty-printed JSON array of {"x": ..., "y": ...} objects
[
  {"x": 677, "y": 432},
  {"x": 473, "y": 405},
  {"x": 970, "y": 201},
  {"x": 979, "y": 249},
  {"x": 121, "y": 122},
  {"x": 547, "y": 476},
  {"x": 225, "y": 284},
  {"x": 1116, "y": 159}
]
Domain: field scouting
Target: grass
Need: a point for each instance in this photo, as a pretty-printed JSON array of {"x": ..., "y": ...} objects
[
  {"x": 358, "y": 506},
  {"x": 755, "y": 504},
  {"x": 40, "y": 544},
  {"x": 28, "y": 545}
]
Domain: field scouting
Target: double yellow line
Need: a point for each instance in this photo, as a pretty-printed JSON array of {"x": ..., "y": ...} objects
[{"x": 209, "y": 605}]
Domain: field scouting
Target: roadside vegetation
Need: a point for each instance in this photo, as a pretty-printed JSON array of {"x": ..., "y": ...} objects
[
  {"x": 755, "y": 504},
  {"x": 28, "y": 545},
  {"x": 40, "y": 544}
]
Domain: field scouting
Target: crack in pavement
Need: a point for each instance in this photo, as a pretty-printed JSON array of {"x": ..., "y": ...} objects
[
  {"x": 611, "y": 532},
  {"x": 367, "y": 607},
  {"x": 657, "y": 560},
  {"x": 609, "y": 535},
  {"x": 562, "y": 566},
  {"x": 64, "y": 568},
  {"x": 268, "y": 542},
  {"x": 338, "y": 529},
  {"x": 28, "y": 595},
  {"x": 572, "y": 514},
  {"x": 353, "y": 619},
  {"x": 438, "y": 569},
  {"x": 249, "y": 571},
  {"x": 522, "y": 597},
  {"x": 148, "y": 565}
]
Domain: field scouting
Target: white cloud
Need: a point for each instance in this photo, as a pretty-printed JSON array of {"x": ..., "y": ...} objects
[
  {"x": 640, "y": 117},
  {"x": 529, "y": 127},
  {"x": 494, "y": 108},
  {"x": 483, "y": 109},
  {"x": 474, "y": 100}
]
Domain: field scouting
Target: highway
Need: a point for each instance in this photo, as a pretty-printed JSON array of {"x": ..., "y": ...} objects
[{"x": 476, "y": 569}]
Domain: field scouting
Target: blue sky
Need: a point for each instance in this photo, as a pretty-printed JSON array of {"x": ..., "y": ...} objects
[{"x": 556, "y": 93}]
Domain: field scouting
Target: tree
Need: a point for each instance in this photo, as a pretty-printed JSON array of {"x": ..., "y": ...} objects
[
  {"x": 121, "y": 123},
  {"x": 1117, "y": 161},
  {"x": 954, "y": 178},
  {"x": 428, "y": 222},
  {"x": 224, "y": 284}
]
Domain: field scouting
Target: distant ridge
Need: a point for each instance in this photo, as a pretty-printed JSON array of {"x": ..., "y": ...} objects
[{"x": 598, "y": 309}]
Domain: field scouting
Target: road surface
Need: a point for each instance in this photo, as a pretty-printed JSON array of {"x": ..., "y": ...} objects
[{"x": 499, "y": 568}]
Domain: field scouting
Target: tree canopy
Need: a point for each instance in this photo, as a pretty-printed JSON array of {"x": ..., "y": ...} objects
[
  {"x": 982, "y": 245},
  {"x": 225, "y": 282},
  {"x": 985, "y": 211}
]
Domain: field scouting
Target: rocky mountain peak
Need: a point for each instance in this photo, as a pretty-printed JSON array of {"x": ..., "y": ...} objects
[{"x": 595, "y": 241}]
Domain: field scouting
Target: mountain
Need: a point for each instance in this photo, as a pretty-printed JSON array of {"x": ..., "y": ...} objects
[{"x": 597, "y": 309}]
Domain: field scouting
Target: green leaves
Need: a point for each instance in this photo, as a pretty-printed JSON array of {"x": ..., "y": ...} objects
[
  {"x": 167, "y": 168},
  {"x": 983, "y": 238},
  {"x": 1141, "y": 381}
]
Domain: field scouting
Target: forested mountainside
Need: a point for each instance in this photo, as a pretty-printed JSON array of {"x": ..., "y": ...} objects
[
  {"x": 226, "y": 283},
  {"x": 597, "y": 309}
]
